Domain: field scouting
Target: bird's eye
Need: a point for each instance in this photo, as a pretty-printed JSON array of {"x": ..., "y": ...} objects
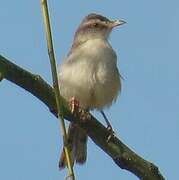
[{"x": 95, "y": 24}]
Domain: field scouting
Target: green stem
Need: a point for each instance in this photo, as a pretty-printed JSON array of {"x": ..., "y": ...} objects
[{"x": 56, "y": 86}]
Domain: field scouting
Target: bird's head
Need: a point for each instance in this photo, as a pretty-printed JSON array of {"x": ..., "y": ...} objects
[{"x": 95, "y": 26}]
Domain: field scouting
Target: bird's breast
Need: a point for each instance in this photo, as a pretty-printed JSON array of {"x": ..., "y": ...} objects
[
  {"x": 91, "y": 75},
  {"x": 98, "y": 50},
  {"x": 106, "y": 81}
]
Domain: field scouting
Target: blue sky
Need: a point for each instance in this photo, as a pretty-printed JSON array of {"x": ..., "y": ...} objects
[{"x": 145, "y": 116}]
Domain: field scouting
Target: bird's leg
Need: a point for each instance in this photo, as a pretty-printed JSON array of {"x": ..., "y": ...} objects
[
  {"x": 109, "y": 126},
  {"x": 76, "y": 109},
  {"x": 74, "y": 105}
]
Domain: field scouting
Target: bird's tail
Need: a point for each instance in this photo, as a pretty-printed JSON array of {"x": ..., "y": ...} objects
[{"x": 77, "y": 143}]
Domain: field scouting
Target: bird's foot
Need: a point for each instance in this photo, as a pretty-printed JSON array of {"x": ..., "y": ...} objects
[
  {"x": 112, "y": 134},
  {"x": 74, "y": 105},
  {"x": 77, "y": 110},
  {"x": 109, "y": 127}
]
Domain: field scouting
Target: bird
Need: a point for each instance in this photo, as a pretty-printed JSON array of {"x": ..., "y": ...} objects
[{"x": 89, "y": 75}]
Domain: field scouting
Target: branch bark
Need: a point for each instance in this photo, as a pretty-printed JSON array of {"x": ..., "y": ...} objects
[{"x": 122, "y": 155}]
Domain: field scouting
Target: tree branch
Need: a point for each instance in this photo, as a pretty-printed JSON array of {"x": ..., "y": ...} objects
[{"x": 124, "y": 157}]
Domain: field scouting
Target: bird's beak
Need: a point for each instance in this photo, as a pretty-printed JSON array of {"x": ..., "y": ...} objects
[{"x": 117, "y": 23}]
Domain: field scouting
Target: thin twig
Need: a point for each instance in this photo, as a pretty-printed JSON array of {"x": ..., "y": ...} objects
[{"x": 56, "y": 86}]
